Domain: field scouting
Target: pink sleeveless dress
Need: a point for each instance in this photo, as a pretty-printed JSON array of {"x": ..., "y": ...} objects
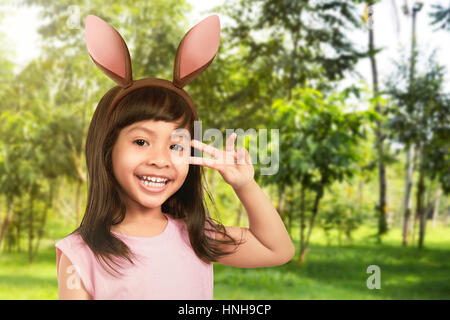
[{"x": 167, "y": 268}]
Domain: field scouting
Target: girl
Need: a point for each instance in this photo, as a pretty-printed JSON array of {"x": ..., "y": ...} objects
[{"x": 146, "y": 233}]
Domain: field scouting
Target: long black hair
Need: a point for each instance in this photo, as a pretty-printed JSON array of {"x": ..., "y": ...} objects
[{"x": 106, "y": 205}]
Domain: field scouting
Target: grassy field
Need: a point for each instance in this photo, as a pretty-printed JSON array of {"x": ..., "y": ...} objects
[{"x": 330, "y": 272}]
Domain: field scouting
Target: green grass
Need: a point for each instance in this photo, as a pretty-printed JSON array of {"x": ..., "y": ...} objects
[{"x": 330, "y": 271}]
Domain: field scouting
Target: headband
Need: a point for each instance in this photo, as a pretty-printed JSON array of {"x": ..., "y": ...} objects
[{"x": 195, "y": 53}]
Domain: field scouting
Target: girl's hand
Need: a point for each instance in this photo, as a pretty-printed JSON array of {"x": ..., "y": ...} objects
[{"x": 233, "y": 164}]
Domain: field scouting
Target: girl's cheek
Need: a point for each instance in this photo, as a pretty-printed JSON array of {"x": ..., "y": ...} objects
[{"x": 183, "y": 170}]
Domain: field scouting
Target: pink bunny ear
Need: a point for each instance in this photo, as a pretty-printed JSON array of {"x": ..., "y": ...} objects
[
  {"x": 108, "y": 50},
  {"x": 196, "y": 50}
]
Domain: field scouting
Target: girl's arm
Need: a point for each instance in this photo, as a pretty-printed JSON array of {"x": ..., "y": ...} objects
[
  {"x": 266, "y": 243},
  {"x": 66, "y": 288},
  {"x": 264, "y": 221}
]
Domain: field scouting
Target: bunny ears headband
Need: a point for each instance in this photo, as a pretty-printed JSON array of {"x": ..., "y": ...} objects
[{"x": 195, "y": 53}]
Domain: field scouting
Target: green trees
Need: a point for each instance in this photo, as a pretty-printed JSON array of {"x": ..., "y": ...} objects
[
  {"x": 420, "y": 117},
  {"x": 380, "y": 144},
  {"x": 45, "y": 109},
  {"x": 278, "y": 67},
  {"x": 441, "y": 17},
  {"x": 35, "y": 155},
  {"x": 307, "y": 43},
  {"x": 319, "y": 142}
]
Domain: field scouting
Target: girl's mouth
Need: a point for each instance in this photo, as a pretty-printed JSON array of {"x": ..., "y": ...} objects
[{"x": 151, "y": 186}]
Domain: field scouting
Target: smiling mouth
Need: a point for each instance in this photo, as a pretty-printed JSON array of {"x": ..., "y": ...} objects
[
  {"x": 152, "y": 186},
  {"x": 153, "y": 181}
]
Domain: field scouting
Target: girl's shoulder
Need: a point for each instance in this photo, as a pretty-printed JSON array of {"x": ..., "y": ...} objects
[
  {"x": 74, "y": 247},
  {"x": 80, "y": 256},
  {"x": 73, "y": 240}
]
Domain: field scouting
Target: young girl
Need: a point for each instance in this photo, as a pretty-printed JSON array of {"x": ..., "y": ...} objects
[{"x": 146, "y": 233}]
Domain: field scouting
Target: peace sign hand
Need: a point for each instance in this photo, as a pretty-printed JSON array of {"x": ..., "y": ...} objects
[{"x": 233, "y": 164}]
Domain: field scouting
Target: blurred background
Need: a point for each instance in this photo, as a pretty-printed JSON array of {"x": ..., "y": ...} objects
[{"x": 359, "y": 91}]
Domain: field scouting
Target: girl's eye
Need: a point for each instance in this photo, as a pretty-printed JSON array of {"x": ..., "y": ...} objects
[
  {"x": 179, "y": 147},
  {"x": 140, "y": 140}
]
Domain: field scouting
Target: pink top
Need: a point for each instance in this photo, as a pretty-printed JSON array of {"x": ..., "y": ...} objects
[{"x": 169, "y": 268}]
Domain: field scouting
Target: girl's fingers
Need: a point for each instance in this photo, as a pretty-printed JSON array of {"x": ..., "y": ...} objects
[
  {"x": 232, "y": 155},
  {"x": 210, "y": 163},
  {"x": 230, "y": 142},
  {"x": 213, "y": 152},
  {"x": 240, "y": 156},
  {"x": 247, "y": 157}
]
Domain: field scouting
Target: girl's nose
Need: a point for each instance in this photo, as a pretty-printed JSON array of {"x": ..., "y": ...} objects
[
  {"x": 160, "y": 162},
  {"x": 159, "y": 157}
]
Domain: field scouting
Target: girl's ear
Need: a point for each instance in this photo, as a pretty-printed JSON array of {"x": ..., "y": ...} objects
[
  {"x": 196, "y": 50},
  {"x": 108, "y": 50}
]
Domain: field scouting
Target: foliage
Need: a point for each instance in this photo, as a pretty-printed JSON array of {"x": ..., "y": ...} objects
[
  {"x": 283, "y": 80},
  {"x": 440, "y": 16},
  {"x": 343, "y": 217},
  {"x": 420, "y": 114},
  {"x": 319, "y": 139},
  {"x": 270, "y": 48},
  {"x": 311, "y": 27}
]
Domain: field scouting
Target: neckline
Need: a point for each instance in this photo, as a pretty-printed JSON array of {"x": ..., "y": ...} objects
[{"x": 147, "y": 238}]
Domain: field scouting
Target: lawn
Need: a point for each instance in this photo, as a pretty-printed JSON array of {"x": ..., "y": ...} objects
[{"x": 330, "y": 272}]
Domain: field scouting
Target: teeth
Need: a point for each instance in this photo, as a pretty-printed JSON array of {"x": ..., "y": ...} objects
[
  {"x": 154, "y": 179},
  {"x": 153, "y": 184}
]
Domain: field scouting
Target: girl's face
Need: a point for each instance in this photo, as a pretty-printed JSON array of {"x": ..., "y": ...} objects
[{"x": 149, "y": 148}]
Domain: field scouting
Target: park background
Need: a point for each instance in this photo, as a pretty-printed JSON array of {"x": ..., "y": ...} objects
[{"x": 359, "y": 91}]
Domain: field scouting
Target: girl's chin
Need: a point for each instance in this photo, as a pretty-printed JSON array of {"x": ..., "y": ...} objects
[{"x": 151, "y": 205}]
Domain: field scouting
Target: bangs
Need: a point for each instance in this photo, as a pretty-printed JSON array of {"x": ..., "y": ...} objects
[{"x": 153, "y": 103}]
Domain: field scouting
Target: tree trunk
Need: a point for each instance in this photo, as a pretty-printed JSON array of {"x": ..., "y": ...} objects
[
  {"x": 420, "y": 212},
  {"x": 281, "y": 205},
  {"x": 437, "y": 198},
  {"x": 7, "y": 221},
  {"x": 407, "y": 200},
  {"x": 289, "y": 215},
  {"x": 48, "y": 205},
  {"x": 59, "y": 189},
  {"x": 314, "y": 214},
  {"x": 30, "y": 226},
  {"x": 295, "y": 37},
  {"x": 382, "y": 223},
  {"x": 281, "y": 197},
  {"x": 302, "y": 257},
  {"x": 19, "y": 228},
  {"x": 77, "y": 159},
  {"x": 302, "y": 225},
  {"x": 11, "y": 240},
  {"x": 411, "y": 80}
]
